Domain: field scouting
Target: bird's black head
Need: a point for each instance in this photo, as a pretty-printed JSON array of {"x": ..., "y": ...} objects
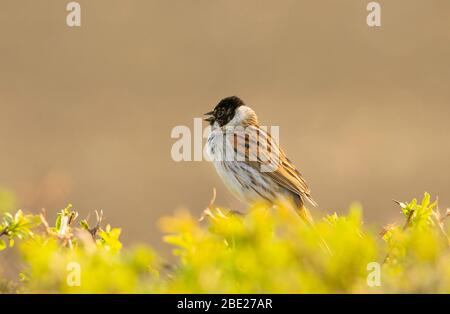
[{"x": 224, "y": 111}]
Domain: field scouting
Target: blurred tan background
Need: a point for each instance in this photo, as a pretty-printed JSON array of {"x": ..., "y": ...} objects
[{"x": 86, "y": 113}]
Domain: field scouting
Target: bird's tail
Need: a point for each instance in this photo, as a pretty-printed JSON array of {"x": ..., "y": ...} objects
[
  {"x": 305, "y": 215},
  {"x": 307, "y": 218}
]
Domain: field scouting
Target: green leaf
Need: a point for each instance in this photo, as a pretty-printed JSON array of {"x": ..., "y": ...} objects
[
  {"x": 58, "y": 222},
  {"x": 84, "y": 224},
  {"x": 426, "y": 200}
]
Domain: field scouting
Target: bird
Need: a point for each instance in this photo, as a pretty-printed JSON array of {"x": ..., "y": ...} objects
[{"x": 259, "y": 170}]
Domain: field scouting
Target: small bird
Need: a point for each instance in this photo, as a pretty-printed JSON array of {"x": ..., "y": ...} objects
[{"x": 244, "y": 175}]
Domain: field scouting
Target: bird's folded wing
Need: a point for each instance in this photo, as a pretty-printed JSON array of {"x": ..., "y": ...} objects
[{"x": 259, "y": 149}]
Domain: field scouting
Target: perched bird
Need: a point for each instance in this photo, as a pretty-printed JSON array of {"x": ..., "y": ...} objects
[{"x": 259, "y": 169}]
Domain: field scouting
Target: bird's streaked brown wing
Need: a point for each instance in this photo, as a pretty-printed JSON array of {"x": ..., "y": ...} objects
[
  {"x": 284, "y": 173},
  {"x": 290, "y": 178}
]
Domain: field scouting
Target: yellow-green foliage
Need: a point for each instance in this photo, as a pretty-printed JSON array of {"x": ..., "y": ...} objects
[{"x": 267, "y": 250}]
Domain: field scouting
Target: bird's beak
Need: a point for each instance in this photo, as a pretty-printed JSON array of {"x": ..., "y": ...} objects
[{"x": 211, "y": 118}]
